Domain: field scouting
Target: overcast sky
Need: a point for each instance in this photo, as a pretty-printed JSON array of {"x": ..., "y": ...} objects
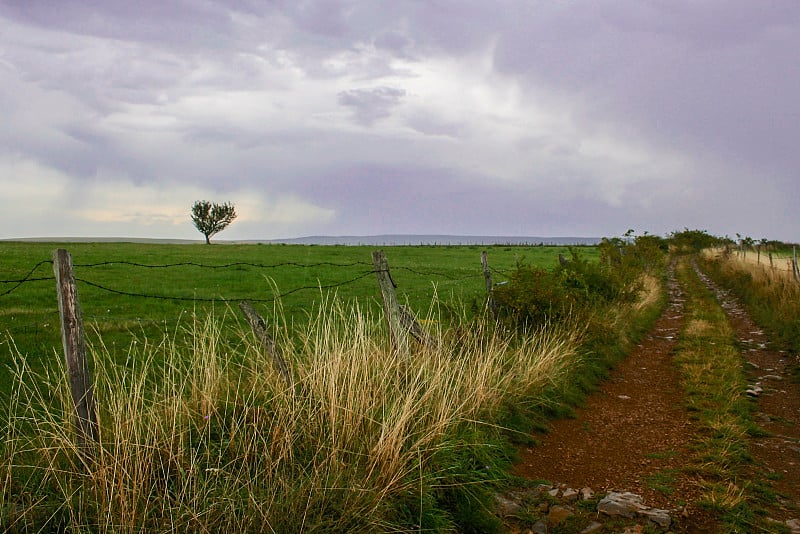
[{"x": 334, "y": 117}]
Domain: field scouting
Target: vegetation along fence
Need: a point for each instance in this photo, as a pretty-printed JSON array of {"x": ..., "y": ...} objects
[{"x": 401, "y": 320}]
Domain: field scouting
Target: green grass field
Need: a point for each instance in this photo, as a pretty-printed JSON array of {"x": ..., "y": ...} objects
[
  {"x": 134, "y": 300},
  {"x": 198, "y": 433}
]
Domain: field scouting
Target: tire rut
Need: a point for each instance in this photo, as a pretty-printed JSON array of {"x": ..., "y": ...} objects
[{"x": 632, "y": 433}]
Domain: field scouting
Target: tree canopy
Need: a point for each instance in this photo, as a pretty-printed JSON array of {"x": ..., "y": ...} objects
[{"x": 211, "y": 218}]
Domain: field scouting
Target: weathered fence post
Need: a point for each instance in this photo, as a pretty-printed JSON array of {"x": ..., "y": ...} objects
[
  {"x": 259, "y": 326},
  {"x": 771, "y": 263},
  {"x": 795, "y": 269},
  {"x": 412, "y": 326},
  {"x": 391, "y": 307},
  {"x": 80, "y": 379},
  {"x": 487, "y": 275}
]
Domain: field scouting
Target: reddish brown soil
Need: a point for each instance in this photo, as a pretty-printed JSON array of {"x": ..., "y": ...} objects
[{"x": 632, "y": 435}]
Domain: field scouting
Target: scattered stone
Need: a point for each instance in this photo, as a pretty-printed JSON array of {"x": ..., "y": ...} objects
[
  {"x": 541, "y": 488},
  {"x": 794, "y": 525},
  {"x": 594, "y": 526},
  {"x": 657, "y": 516},
  {"x": 625, "y": 504},
  {"x": 754, "y": 391},
  {"x": 587, "y": 494},
  {"x": 559, "y": 513},
  {"x": 540, "y": 527},
  {"x": 506, "y": 507},
  {"x": 553, "y": 492},
  {"x": 623, "y": 397},
  {"x": 570, "y": 495},
  {"x": 771, "y": 377}
]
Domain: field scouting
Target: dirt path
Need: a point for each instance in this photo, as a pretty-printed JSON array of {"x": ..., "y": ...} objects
[{"x": 633, "y": 433}]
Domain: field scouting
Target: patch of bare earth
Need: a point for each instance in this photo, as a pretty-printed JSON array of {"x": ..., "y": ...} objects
[{"x": 632, "y": 434}]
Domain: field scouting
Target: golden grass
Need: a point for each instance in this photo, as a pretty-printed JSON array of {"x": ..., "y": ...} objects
[
  {"x": 697, "y": 327},
  {"x": 649, "y": 293},
  {"x": 200, "y": 435}
]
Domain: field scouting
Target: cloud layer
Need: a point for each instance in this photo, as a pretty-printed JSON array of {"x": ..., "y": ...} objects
[{"x": 348, "y": 117}]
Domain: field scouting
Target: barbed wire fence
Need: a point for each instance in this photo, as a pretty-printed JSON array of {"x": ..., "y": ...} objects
[
  {"x": 34, "y": 275},
  {"x": 401, "y": 321}
]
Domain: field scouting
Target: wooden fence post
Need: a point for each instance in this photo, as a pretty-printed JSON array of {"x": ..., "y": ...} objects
[
  {"x": 80, "y": 379},
  {"x": 487, "y": 275},
  {"x": 795, "y": 269},
  {"x": 259, "y": 326},
  {"x": 391, "y": 307},
  {"x": 412, "y": 326}
]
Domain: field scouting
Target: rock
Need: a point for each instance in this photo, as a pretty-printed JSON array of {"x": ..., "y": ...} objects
[
  {"x": 657, "y": 516},
  {"x": 620, "y": 504},
  {"x": 558, "y": 513},
  {"x": 553, "y": 492},
  {"x": 594, "y": 526},
  {"x": 754, "y": 391},
  {"x": 771, "y": 377},
  {"x": 794, "y": 525},
  {"x": 570, "y": 495},
  {"x": 587, "y": 494},
  {"x": 540, "y": 527},
  {"x": 506, "y": 507}
]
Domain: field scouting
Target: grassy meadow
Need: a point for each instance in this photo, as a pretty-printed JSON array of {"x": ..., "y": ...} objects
[
  {"x": 198, "y": 433},
  {"x": 213, "y": 279}
]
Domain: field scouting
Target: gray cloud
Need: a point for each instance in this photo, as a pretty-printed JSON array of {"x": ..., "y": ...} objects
[
  {"x": 406, "y": 116},
  {"x": 370, "y": 105}
]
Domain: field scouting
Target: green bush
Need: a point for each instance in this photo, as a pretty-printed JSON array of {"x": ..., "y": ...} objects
[{"x": 535, "y": 296}]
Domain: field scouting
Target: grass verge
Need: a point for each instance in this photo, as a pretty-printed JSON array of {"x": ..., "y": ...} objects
[
  {"x": 714, "y": 381},
  {"x": 772, "y": 297},
  {"x": 197, "y": 434}
]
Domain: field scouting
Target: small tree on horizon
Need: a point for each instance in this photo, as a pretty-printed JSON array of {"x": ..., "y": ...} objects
[{"x": 211, "y": 218}]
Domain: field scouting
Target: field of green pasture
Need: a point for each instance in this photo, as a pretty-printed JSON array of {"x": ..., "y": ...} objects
[
  {"x": 196, "y": 437},
  {"x": 131, "y": 290}
]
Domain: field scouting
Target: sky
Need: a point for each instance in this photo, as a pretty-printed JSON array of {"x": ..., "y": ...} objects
[{"x": 336, "y": 117}]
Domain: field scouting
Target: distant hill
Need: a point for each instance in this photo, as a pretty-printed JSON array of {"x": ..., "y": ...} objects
[{"x": 368, "y": 240}]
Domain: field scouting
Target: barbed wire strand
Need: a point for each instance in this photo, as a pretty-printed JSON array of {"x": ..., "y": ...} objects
[
  {"x": 222, "y": 266},
  {"x": 26, "y": 278},
  {"x": 220, "y": 299}
]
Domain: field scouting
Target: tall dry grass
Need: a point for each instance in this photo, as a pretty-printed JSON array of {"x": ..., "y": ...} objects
[
  {"x": 771, "y": 295},
  {"x": 200, "y": 435}
]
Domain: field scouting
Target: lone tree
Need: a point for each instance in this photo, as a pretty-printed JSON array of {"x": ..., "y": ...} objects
[{"x": 211, "y": 218}]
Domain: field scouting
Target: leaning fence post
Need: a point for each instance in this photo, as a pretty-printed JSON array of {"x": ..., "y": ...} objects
[
  {"x": 391, "y": 307},
  {"x": 412, "y": 326},
  {"x": 795, "y": 269},
  {"x": 80, "y": 379},
  {"x": 259, "y": 326},
  {"x": 487, "y": 275}
]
